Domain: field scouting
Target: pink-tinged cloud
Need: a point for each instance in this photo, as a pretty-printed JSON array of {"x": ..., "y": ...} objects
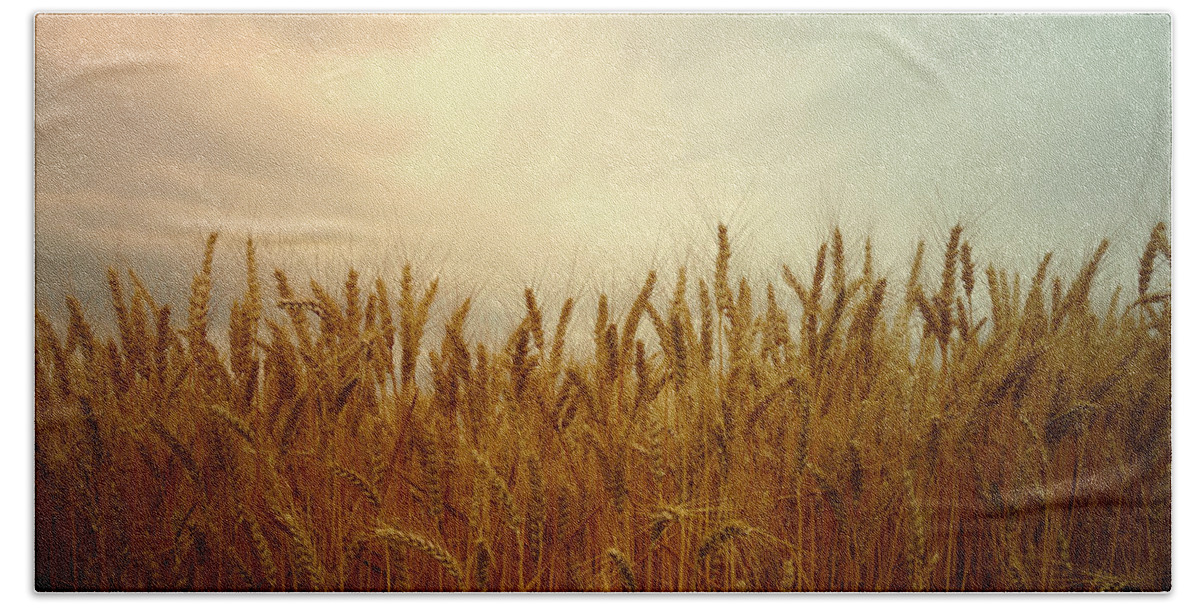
[{"x": 572, "y": 152}]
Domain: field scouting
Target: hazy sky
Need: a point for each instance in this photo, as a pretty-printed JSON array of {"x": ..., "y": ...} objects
[{"x": 574, "y": 153}]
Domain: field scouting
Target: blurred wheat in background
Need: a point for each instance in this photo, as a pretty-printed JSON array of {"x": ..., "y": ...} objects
[{"x": 837, "y": 430}]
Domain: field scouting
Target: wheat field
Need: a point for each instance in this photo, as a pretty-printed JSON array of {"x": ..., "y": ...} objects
[{"x": 839, "y": 430}]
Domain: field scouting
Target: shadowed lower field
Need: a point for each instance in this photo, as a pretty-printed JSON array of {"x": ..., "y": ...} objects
[{"x": 843, "y": 431}]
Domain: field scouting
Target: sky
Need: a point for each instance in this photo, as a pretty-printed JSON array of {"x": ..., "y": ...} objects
[{"x": 573, "y": 153}]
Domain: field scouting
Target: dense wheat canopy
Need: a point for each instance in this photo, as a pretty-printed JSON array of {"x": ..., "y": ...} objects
[{"x": 848, "y": 431}]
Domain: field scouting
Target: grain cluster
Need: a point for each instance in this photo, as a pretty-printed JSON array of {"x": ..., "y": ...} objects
[{"x": 847, "y": 432}]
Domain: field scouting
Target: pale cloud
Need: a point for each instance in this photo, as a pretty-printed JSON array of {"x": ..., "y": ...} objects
[{"x": 572, "y": 152}]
